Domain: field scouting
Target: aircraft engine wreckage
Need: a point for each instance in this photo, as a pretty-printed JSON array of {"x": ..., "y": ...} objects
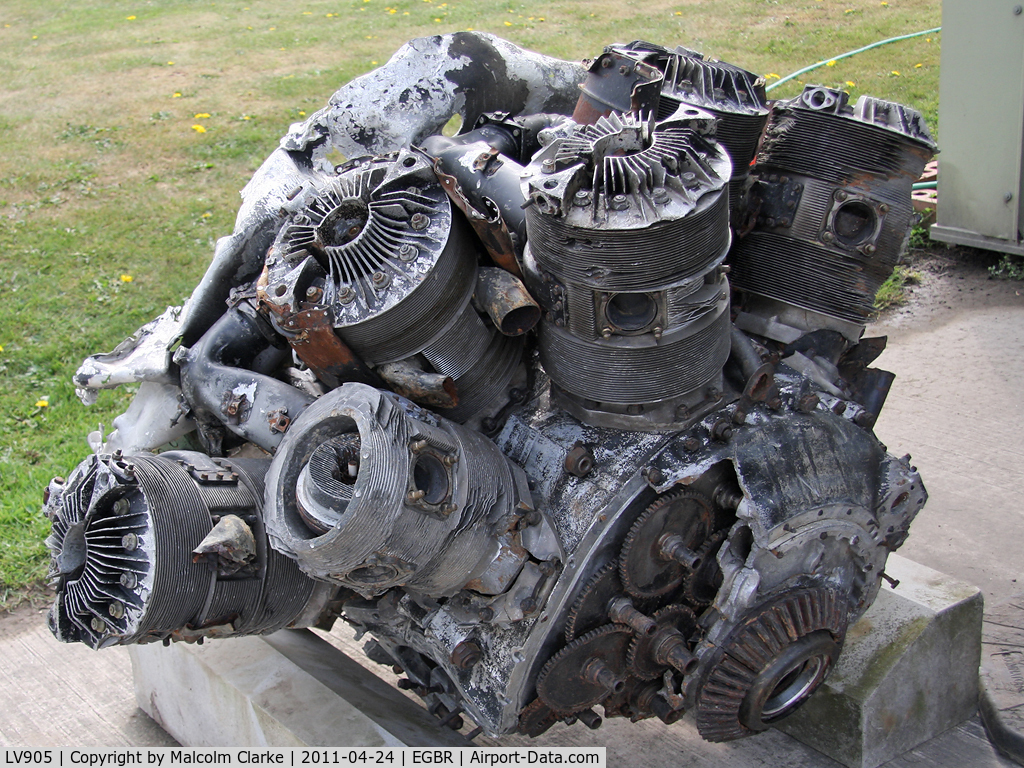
[{"x": 492, "y": 400}]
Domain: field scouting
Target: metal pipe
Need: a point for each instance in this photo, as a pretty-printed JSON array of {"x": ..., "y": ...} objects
[{"x": 505, "y": 299}]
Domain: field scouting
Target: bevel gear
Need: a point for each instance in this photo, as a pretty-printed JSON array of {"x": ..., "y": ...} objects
[
  {"x": 771, "y": 663},
  {"x": 659, "y": 549}
]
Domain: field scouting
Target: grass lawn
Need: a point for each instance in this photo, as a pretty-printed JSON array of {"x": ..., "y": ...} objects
[{"x": 127, "y": 129}]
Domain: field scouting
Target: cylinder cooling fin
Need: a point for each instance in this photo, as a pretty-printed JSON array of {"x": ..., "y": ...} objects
[
  {"x": 833, "y": 189},
  {"x": 371, "y": 492},
  {"x": 628, "y": 225},
  {"x": 143, "y": 549}
]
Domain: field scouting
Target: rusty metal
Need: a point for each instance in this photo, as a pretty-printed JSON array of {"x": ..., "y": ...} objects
[
  {"x": 433, "y": 389},
  {"x": 645, "y": 569},
  {"x": 311, "y": 334},
  {"x": 806, "y": 625},
  {"x": 579, "y": 461},
  {"x": 668, "y": 646},
  {"x": 586, "y": 671},
  {"x": 489, "y": 226},
  {"x": 506, "y": 300},
  {"x": 618, "y": 81}
]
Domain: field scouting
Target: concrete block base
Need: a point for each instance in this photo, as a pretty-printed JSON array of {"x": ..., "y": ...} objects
[
  {"x": 908, "y": 671},
  {"x": 290, "y": 689}
]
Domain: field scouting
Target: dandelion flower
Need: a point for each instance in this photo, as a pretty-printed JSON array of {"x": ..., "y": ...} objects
[
  {"x": 884, "y": 4},
  {"x": 198, "y": 128},
  {"x": 307, "y": 13},
  {"x": 771, "y": 75},
  {"x": 35, "y": 37},
  {"x": 202, "y": 115},
  {"x": 895, "y": 72},
  {"x": 1, "y": 347},
  {"x": 301, "y": 113},
  {"x": 170, "y": 63},
  {"x": 927, "y": 39},
  {"x": 126, "y": 278},
  {"x": 206, "y": 215},
  {"x": 176, "y": 95},
  {"x": 918, "y": 66},
  {"x": 129, "y": 18},
  {"x": 830, "y": 63},
  {"x": 43, "y": 402},
  {"x": 851, "y": 84},
  {"x": 246, "y": 117},
  {"x": 508, "y": 23},
  {"x": 679, "y": 13}
]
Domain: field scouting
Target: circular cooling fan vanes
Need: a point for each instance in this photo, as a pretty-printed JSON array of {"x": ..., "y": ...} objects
[{"x": 659, "y": 549}]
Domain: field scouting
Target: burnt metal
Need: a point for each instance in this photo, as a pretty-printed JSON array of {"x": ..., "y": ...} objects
[
  {"x": 835, "y": 188},
  {"x": 618, "y": 81},
  {"x": 128, "y": 554},
  {"x": 517, "y": 520},
  {"x": 226, "y": 377},
  {"x": 668, "y": 646},
  {"x": 507, "y": 302}
]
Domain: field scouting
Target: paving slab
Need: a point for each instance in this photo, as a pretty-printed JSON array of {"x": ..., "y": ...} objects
[{"x": 1002, "y": 677}]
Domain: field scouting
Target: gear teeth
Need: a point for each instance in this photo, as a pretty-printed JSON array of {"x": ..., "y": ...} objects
[
  {"x": 613, "y": 639},
  {"x": 697, "y": 580},
  {"x": 628, "y": 582},
  {"x": 571, "y": 628},
  {"x": 662, "y": 617},
  {"x": 751, "y": 647}
]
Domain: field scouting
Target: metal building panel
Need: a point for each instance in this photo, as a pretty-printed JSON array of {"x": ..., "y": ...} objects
[{"x": 981, "y": 124}]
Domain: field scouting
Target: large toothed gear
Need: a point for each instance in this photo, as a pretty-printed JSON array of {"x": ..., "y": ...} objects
[
  {"x": 586, "y": 671},
  {"x": 676, "y": 523},
  {"x": 771, "y": 663}
]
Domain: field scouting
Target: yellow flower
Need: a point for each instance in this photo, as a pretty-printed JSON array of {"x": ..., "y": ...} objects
[
  {"x": 851, "y": 84},
  {"x": 374, "y": 63},
  {"x": 126, "y": 278},
  {"x": 301, "y": 113},
  {"x": 918, "y": 66},
  {"x": 392, "y": 10},
  {"x": 1, "y": 347},
  {"x": 43, "y": 402},
  {"x": 848, "y": 10},
  {"x": 35, "y": 37},
  {"x": 507, "y": 23},
  {"x": 884, "y": 4},
  {"x": 679, "y": 13},
  {"x": 895, "y": 72},
  {"x": 541, "y": 19},
  {"x": 170, "y": 63},
  {"x": 206, "y": 215},
  {"x": 272, "y": 29},
  {"x": 246, "y": 117},
  {"x": 202, "y": 115},
  {"x": 830, "y": 63},
  {"x": 927, "y": 39},
  {"x": 176, "y": 95},
  {"x": 198, "y": 128},
  {"x": 307, "y": 13},
  {"x": 770, "y": 75},
  {"x": 405, "y": 13},
  {"x": 129, "y": 18}
]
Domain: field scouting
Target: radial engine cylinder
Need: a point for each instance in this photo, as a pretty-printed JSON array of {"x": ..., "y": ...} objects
[
  {"x": 169, "y": 547},
  {"x": 380, "y": 247},
  {"x": 371, "y": 491},
  {"x": 834, "y": 184},
  {"x": 628, "y": 223}
]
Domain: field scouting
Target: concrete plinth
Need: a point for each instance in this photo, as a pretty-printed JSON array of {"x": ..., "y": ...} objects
[
  {"x": 290, "y": 689},
  {"x": 908, "y": 671}
]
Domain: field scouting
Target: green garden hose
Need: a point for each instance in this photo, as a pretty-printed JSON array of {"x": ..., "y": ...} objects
[{"x": 847, "y": 55}]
